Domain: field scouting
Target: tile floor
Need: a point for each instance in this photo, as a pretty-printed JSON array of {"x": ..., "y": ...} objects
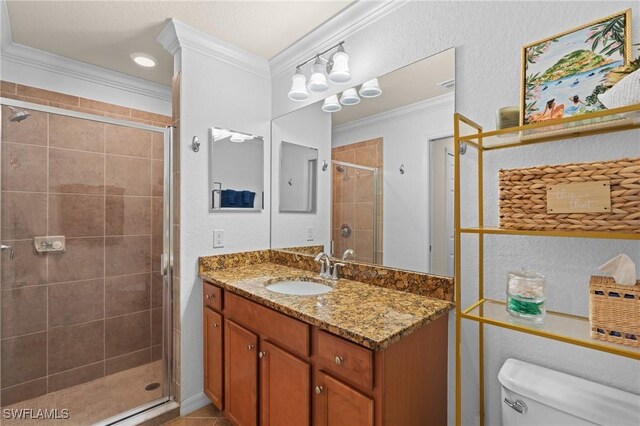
[
  {"x": 99, "y": 399},
  {"x": 205, "y": 416}
]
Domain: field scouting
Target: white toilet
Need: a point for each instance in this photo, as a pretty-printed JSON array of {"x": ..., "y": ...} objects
[{"x": 537, "y": 396}]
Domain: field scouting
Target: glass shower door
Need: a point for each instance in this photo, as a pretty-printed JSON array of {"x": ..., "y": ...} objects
[
  {"x": 354, "y": 211},
  {"x": 82, "y": 294}
]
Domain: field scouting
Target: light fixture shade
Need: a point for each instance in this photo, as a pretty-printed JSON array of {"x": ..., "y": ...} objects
[
  {"x": 340, "y": 71},
  {"x": 298, "y": 90},
  {"x": 350, "y": 97},
  {"x": 318, "y": 80},
  {"x": 370, "y": 89},
  {"x": 239, "y": 137},
  {"x": 331, "y": 104}
]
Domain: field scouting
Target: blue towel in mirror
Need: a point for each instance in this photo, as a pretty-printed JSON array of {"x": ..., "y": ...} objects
[
  {"x": 229, "y": 198},
  {"x": 248, "y": 198}
]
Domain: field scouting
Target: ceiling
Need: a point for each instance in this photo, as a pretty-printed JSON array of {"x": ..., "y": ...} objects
[
  {"x": 405, "y": 86},
  {"x": 105, "y": 33}
]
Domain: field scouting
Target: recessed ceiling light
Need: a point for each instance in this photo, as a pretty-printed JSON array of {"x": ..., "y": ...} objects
[{"x": 144, "y": 60}]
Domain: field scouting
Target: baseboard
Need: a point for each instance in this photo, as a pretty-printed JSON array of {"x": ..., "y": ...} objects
[{"x": 193, "y": 403}]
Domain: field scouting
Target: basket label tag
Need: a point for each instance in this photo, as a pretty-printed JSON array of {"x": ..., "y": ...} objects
[{"x": 579, "y": 197}]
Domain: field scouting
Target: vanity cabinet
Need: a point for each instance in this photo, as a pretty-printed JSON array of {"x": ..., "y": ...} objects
[
  {"x": 213, "y": 344},
  {"x": 280, "y": 371},
  {"x": 241, "y": 374}
]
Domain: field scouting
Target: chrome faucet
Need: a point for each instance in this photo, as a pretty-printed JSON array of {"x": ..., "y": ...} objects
[
  {"x": 347, "y": 253},
  {"x": 325, "y": 264}
]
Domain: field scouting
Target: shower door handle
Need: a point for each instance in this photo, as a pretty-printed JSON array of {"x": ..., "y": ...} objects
[
  {"x": 12, "y": 252},
  {"x": 164, "y": 264}
]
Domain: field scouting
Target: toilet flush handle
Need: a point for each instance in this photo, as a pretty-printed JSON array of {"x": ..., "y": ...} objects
[{"x": 519, "y": 406}]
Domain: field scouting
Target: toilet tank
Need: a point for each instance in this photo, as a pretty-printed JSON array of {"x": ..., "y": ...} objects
[{"x": 540, "y": 396}]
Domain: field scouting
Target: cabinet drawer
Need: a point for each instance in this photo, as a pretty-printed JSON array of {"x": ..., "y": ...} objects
[
  {"x": 211, "y": 296},
  {"x": 279, "y": 328},
  {"x": 345, "y": 359}
]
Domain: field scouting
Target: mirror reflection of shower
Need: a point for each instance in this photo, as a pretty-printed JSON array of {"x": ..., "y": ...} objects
[{"x": 17, "y": 115}]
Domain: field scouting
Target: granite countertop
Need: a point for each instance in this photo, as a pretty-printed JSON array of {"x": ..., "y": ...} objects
[{"x": 366, "y": 314}]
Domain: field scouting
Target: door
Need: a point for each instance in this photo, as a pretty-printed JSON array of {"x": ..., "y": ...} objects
[
  {"x": 241, "y": 384},
  {"x": 284, "y": 387},
  {"x": 441, "y": 206},
  {"x": 213, "y": 367},
  {"x": 338, "y": 404},
  {"x": 85, "y": 219}
]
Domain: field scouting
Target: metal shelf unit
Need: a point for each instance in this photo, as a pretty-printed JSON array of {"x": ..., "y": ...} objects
[{"x": 557, "y": 326}]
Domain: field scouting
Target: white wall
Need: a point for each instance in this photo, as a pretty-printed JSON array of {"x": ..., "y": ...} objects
[
  {"x": 298, "y": 177},
  {"x": 213, "y": 93},
  {"x": 405, "y": 226},
  {"x": 310, "y": 127},
  {"x": 488, "y": 37}
]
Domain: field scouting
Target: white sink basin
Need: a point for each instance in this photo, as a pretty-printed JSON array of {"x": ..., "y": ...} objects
[{"x": 299, "y": 287}]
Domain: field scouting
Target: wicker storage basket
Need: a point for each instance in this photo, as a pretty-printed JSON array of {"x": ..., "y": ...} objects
[
  {"x": 523, "y": 197},
  {"x": 614, "y": 311}
]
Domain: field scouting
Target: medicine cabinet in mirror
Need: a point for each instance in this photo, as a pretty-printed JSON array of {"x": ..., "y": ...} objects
[
  {"x": 298, "y": 178},
  {"x": 236, "y": 171},
  {"x": 385, "y": 196}
]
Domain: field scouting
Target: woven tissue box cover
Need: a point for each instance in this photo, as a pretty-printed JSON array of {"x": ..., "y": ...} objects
[
  {"x": 614, "y": 311},
  {"x": 523, "y": 197}
]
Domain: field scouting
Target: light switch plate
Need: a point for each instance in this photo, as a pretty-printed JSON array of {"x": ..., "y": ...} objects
[
  {"x": 218, "y": 238},
  {"x": 311, "y": 233}
]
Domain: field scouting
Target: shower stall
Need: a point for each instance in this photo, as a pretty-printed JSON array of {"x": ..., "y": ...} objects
[
  {"x": 355, "y": 205},
  {"x": 85, "y": 270}
]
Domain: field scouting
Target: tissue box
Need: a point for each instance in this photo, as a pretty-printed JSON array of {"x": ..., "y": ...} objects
[{"x": 614, "y": 311}]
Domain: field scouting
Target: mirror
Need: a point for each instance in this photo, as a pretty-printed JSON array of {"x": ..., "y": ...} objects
[
  {"x": 298, "y": 178},
  {"x": 386, "y": 196},
  {"x": 236, "y": 164}
]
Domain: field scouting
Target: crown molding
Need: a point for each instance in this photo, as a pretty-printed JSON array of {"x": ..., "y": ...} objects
[
  {"x": 349, "y": 21},
  {"x": 401, "y": 113},
  {"x": 24, "y": 55},
  {"x": 177, "y": 35}
]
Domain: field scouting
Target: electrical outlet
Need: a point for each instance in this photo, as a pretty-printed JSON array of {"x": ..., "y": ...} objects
[
  {"x": 310, "y": 233},
  {"x": 218, "y": 238}
]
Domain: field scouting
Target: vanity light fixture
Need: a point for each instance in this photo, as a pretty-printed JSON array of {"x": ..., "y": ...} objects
[
  {"x": 350, "y": 97},
  {"x": 323, "y": 70},
  {"x": 331, "y": 104},
  {"x": 298, "y": 90},
  {"x": 370, "y": 89},
  {"x": 318, "y": 80},
  {"x": 144, "y": 60}
]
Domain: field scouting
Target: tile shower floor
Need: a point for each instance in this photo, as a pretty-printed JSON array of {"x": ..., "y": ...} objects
[{"x": 97, "y": 400}]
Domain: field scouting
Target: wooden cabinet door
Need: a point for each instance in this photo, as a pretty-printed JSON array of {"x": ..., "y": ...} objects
[
  {"x": 213, "y": 367},
  {"x": 241, "y": 378},
  {"x": 338, "y": 404},
  {"x": 284, "y": 387}
]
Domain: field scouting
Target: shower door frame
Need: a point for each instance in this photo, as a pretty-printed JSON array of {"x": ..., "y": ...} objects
[
  {"x": 375, "y": 200},
  {"x": 167, "y": 248}
]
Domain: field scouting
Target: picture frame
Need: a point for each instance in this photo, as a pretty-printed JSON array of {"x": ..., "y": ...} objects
[{"x": 563, "y": 74}]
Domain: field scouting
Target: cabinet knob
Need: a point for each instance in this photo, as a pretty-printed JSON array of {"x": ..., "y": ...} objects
[
  {"x": 216, "y": 325},
  {"x": 262, "y": 354},
  {"x": 210, "y": 296},
  {"x": 338, "y": 360},
  {"x": 319, "y": 389},
  {"x": 250, "y": 347}
]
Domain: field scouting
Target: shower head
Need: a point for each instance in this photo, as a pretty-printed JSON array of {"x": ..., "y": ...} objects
[
  {"x": 18, "y": 116},
  {"x": 339, "y": 169}
]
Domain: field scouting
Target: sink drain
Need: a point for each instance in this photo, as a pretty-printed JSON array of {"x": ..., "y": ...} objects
[{"x": 152, "y": 386}]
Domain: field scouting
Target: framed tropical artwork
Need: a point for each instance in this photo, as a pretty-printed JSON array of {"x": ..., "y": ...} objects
[{"x": 563, "y": 74}]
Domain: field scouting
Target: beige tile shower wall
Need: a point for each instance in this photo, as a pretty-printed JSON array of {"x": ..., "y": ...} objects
[
  {"x": 353, "y": 201},
  {"x": 95, "y": 309}
]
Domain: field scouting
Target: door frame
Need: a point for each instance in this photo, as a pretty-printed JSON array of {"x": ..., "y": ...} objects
[
  {"x": 432, "y": 137},
  {"x": 166, "y": 402}
]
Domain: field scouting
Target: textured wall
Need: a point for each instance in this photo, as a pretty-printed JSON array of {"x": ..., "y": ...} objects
[
  {"x": 488, "y": 37},
  {"x": 213, "y": 93}
]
